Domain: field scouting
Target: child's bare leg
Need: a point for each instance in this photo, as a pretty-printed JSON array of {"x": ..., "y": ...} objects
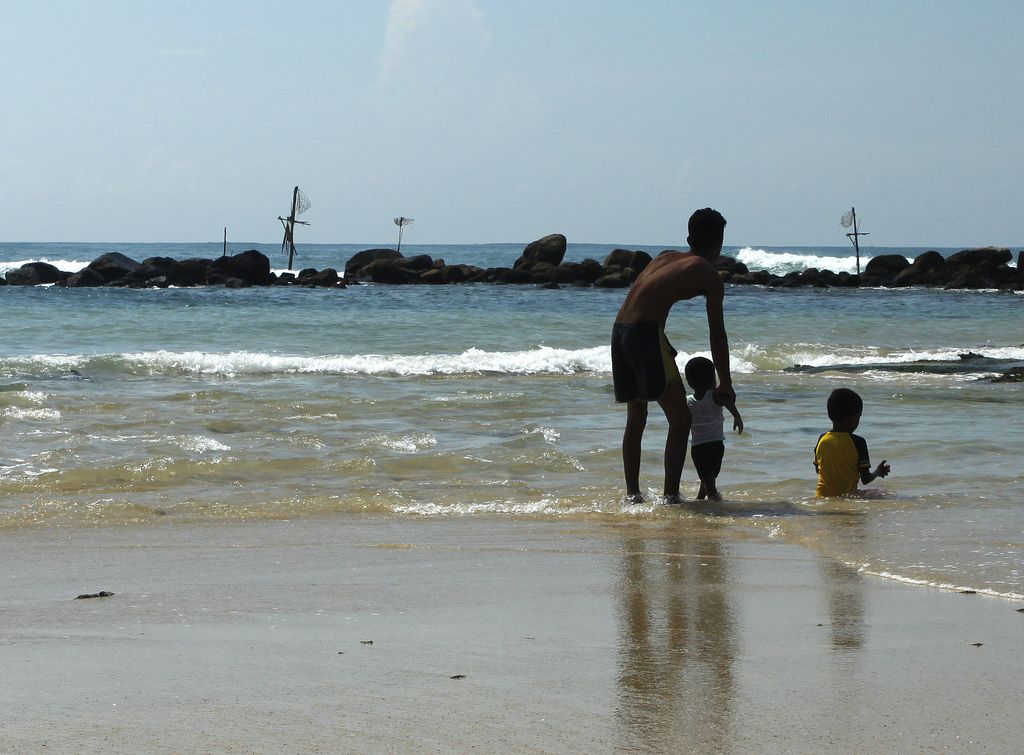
[
  {"x": 702, "y": 493},
  {"x": 709, "y": 487}
]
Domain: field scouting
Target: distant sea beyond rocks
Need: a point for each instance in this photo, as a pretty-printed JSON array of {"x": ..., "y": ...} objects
[{"x": 541, "y": 263}]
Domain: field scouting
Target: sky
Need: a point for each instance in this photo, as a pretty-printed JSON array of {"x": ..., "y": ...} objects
[{"x": 505, "y": 120}]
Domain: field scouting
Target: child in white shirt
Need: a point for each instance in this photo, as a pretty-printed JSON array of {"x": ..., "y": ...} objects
[{"x": 707, "y": 438}]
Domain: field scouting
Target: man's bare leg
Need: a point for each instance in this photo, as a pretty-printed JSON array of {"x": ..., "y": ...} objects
[
  {"x": 636, "y": 421},
  {"x": 673, "y": 403}
]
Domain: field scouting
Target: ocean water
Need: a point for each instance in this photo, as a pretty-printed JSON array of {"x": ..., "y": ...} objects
[{"x": 121, "y": 405}]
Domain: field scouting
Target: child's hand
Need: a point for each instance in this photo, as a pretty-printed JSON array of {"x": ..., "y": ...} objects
[
  {"x": 737, "y": 424},
  {"x": 882, "y": 470}
]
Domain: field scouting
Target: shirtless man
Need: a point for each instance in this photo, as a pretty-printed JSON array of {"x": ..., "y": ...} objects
[{"x": 643, "y": 362}]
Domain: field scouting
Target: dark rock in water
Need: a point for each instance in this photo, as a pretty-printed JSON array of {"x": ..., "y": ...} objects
[
  {"x": 251, "y": 265},
  {"x": 114, "y": 266},
  {"x": 237, "y": 283},
  {"x": 285, "y": 278},
  {"x": 625, "y": 258},
  {"x": 968, "y": 278},
  {"x": 508, "y": 275},
  {"x": 990, "y": 256},
  {"x": 215, "y": 277},
  {"x": 613, "y": 280},
  {"x": 419, "y": 263},
  {"x": 191, "y": 271},
  {"x": 160, "y": 281},
  {"x": 35, "y": 274},
  {"x": 361, "y": 259},
  {"x": 85, "y": 279},
  {"x": 387, "y": 271},
  {"x": 3, "y": 281},
  {"x": 886, "y": 265},
  {"x": 929, "y": 261},
  {"x": 326, "y": 278},
  {"x": 453, "y": 274},
  {"x": 550, "y": 248},
  {"x": 1012, "y": 375},
  {"x": 967, "y": 356},
  {"x": 589, "y": 270},
  {"x": 731, "y": 265},
  {"x": 100, "y": 594}
]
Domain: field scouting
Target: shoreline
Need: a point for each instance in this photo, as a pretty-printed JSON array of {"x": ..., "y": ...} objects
[{"x": 490, "y": 634}]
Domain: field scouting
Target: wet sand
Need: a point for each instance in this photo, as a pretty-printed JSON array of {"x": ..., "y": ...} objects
[{"x": 562, "y": 636}]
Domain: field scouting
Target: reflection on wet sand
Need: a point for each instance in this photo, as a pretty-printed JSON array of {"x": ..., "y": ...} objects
[
  {"x": 677, "y": 644},
  {"x": 681, "y": 623}
]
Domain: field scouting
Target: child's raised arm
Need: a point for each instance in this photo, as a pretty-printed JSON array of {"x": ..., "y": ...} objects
[{"x": 882, "y": 470}]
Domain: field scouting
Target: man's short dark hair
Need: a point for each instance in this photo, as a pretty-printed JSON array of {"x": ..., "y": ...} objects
[
  {"x": 844, "y": 403},
  {"x": 700, "y": 373},
  {"x": 706, "y": 228}
]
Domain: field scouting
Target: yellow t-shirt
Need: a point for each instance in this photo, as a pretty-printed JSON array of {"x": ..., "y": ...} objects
[{"x": 839, "y": 458}]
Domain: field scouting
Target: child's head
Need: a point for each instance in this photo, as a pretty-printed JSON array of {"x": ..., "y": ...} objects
[
  {"x": 700, "y": 374},
  {"x": 844, "y": 409}
]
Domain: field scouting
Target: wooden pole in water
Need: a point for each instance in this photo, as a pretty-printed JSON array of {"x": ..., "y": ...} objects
[
  {"x": 225, "y": 241},
  {"x": 856, "y": 243},
  {"x": 290, "y": 230}
]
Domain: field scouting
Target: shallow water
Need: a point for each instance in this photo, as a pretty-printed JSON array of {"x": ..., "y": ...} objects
[{"x": 126, "y": 405}]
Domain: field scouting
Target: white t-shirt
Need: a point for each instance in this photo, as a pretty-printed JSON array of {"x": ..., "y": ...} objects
[{"x": 707, "y": 419}]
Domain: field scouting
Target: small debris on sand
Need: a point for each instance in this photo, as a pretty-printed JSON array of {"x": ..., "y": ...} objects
[
  {"x": 458, "y": 676},
  {"x": 365, "y": 642},
  {"x": 100, "y": 594}
]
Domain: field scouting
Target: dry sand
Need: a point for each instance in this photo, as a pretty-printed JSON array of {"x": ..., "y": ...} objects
[{"x": 565, "y": 636}]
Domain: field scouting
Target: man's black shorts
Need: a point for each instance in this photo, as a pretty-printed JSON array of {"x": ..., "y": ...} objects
[{"x": 643, "y": 361}]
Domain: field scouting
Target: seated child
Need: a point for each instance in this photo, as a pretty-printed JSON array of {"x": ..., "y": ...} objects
[
  {"x": 840, "y": 457},
  {"x": 707, "y": 439}
]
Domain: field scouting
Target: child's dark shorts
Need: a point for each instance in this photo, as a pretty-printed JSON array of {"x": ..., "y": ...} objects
[{"x": 707, "y": 459}]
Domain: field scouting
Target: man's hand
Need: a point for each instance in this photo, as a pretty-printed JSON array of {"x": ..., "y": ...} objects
[
  {"x": 882, "y": 470},
  {"x": 725, "y": 395}
]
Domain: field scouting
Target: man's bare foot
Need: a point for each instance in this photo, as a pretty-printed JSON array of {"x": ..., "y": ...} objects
[
  {"x": 634, "y": 498},
  {"x": 672, "y": 499}
]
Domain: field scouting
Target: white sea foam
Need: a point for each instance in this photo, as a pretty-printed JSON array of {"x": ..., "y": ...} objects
[
  {"x": 14, "y": 412},
  {"x": 71, "y": 266},
  {"x": 199, "y": 443},
  {"x": 540, "y": 361},
  {"x": 543, "y": 360},
  {"x": 781, "y": 263},
  {"x": 825, "y": 355}
]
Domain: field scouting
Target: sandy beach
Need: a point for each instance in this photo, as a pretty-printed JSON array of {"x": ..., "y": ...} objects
[{"x": 354, "y": 634}]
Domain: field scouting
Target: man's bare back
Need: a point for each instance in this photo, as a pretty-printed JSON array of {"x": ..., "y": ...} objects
[{"x": 670, "y": 277}]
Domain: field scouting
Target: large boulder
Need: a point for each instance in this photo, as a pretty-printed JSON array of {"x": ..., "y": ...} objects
[
  {"x": 192, "y": 271},
  {"x": 35, "y": 274},
  {"x": 114, "y": 266},
  {"x": 251, "y": 265},
  {"x": 85, "y": 278},
  {"x": 886, "y": 265},
  {"x": 388, "y": 271},
  {"x": 419, "y": 263},
  {"x": 550, "y": 248},
  {"x": 930, "y": 261},
  {"x": 990, "y": 256},
  {"x": 730, "y": 265},
  {"x": 625, "y": 258},
  {"x": 359, "y": 260}
]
